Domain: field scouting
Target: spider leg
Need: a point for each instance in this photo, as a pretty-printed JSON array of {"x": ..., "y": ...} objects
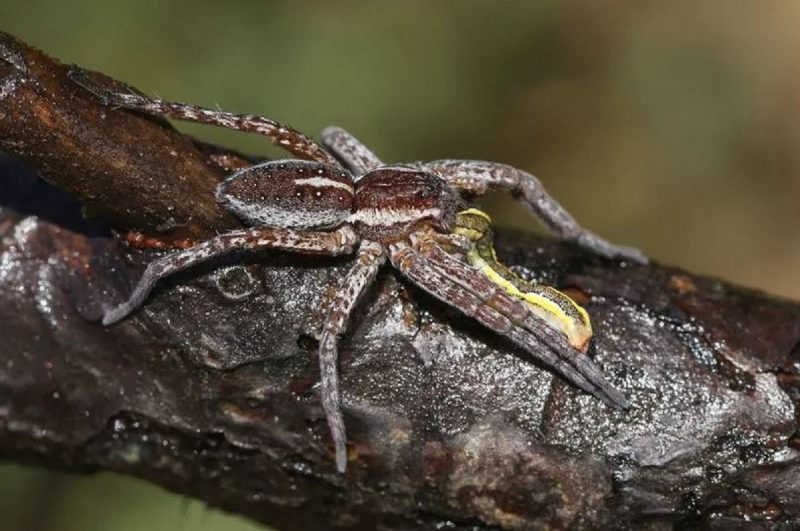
[
  {"x": 371, "y": 256},
  {"x": 279, "y": 134},
  {"x": 477, "y": 177},
  {"x": 457, "y": 284},
  {"x": 357, "y": 157},
  {"x": 519, "y": 313},
  {"x": 340, "y": 241}
]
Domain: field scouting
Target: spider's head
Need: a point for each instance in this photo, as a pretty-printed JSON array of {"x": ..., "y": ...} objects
[{"x": 391, "y": 202}]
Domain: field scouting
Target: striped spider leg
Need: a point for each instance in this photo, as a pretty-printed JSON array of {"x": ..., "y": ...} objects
[
  {"x": 282, "y": 135},
  {"x": 371, "y": 256},
  {"x": 354, "y": 155},
  {"x": 453, "y": 281},
  {"x": 339, "y": 242},
  {"x": 477, "y": 177}
]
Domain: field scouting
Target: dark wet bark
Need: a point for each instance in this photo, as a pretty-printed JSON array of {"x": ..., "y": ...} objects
[{"x": 211, "y": 389}]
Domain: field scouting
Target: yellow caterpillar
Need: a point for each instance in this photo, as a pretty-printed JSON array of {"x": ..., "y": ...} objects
[{"x": 558, "y": 310}]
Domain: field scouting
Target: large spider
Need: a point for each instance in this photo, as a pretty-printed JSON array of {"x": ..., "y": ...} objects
[{"x": 340, "y": 199}]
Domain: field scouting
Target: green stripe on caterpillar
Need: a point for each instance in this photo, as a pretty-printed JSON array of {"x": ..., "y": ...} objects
[{"x": 554, "y": 307}]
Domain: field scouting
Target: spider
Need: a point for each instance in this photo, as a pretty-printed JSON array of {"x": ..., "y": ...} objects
[{"x": 340, "y": 199}]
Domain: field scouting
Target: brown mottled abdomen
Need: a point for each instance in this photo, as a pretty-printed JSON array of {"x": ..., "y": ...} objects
[{"x": 289, "y": 194}]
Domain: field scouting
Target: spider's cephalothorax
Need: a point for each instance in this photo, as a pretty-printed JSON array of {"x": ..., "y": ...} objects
[
  {"x": 391, "y": 203},
  {"x": 341, "y": 198}
]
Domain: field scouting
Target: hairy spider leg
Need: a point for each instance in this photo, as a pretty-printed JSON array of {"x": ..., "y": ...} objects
[
  {"x": 477, "y": 177},
  {"x": 340, "y": 241},
  {"x": 555, "y": 307},
  {"x": 282, "y": 135},
  {"x": 454, "y": 281},
  {"x": 522, "y": 314},
  {"x": 357, "y": 157},
  {"x": 370, "y": 257}
]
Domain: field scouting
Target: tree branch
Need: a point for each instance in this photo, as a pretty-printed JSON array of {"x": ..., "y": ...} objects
[
  {"x": 211, "y": 389},
  {"x": 136, "y": 171}
]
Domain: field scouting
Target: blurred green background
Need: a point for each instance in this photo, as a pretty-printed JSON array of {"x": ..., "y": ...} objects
[{"x": 671, "y": 126}]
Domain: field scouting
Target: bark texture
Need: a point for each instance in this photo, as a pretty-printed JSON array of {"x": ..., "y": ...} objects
[{"x": 211, "y": 389}]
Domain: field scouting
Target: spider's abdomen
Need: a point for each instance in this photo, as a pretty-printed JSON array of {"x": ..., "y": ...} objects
[
  {"x": 391, "y": 202},
  {"x": 289, "y": 194}
]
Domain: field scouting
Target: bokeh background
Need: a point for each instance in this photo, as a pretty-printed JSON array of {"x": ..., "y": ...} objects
[{"x": 672, "y": 126}]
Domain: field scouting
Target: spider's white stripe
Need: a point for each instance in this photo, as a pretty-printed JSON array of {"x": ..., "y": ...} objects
[
  {"x": 289, "y": 218},
  {"x": 390, "y": 216},
  {"x": 323, "y": 182}
]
